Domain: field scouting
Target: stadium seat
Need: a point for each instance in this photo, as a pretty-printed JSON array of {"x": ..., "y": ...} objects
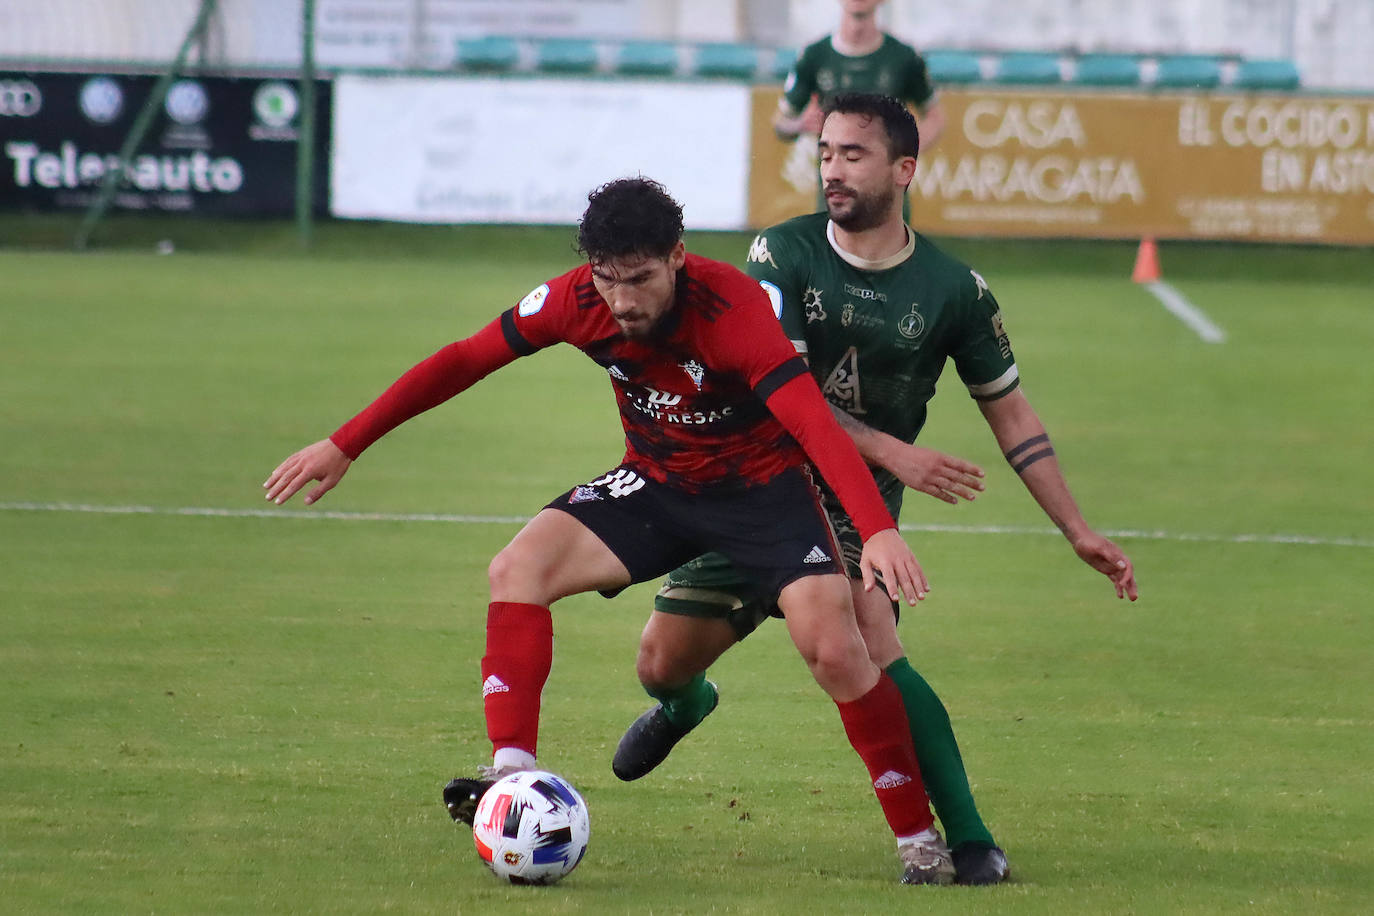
[
  {"x": 952, "y": 67},
  {"x": 1188, "y": 71},
  {"x": 1267, "y": 74},
  {"x": 490, "y": 54},
  {"x": 1028, "y": 68},
  {"x": 1107, "y": 70},
  {"x": 566, "y": 55},
  {"x": 647, "y": 58},
  {"x": 725, "y": 59},
  {"x": 784, "y": 59}
]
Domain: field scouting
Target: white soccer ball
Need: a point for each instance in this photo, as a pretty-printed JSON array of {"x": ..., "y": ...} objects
[{"x": 531, "y": 828}]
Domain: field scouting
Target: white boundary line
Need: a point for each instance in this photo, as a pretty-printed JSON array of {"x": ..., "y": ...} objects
[
  {"x": 1186, "y": 312},
  {"x": 321, "y": 514}
]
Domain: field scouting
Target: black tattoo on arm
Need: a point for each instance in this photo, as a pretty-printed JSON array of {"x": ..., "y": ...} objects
[{"x": 1018, "y": 458}]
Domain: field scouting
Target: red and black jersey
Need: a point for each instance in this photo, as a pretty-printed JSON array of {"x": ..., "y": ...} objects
[
  {"x": 692, "y": 398},
  {"x": 717, "y": 398}
]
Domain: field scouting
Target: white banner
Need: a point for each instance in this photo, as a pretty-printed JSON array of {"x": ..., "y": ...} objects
[{"x": 459, "y": 150}]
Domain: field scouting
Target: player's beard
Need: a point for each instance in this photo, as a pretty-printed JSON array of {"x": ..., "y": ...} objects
[{"x": 860, "y": 211}]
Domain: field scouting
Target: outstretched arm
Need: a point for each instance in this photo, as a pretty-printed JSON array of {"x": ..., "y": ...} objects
[
  {"x": 934, "y": 473},
  {"x": 1027, "y": 447}
]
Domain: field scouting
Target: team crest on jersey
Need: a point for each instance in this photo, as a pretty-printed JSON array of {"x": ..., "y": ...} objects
[
  {"x": 533, "y": 301},
  {"x": 695, "y": 371},
  {"x": 811, "y": 302},
  {"x": 759, "y": 253},
  {"x": 981, "y": 283},
  {"x": 911, "y": 324}
]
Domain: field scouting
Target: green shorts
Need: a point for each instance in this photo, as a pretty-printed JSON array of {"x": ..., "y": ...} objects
[{"x": 711, "y": 587}]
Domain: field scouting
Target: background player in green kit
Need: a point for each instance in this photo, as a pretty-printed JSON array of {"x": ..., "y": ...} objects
[
  {"x": 877, "y": 310},
  {"x": 857, "y": 57}
]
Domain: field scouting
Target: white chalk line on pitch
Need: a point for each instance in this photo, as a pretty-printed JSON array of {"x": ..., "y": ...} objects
[
  {"x": 1179, "y": 306},
  {"x": 446, "y": 518}
]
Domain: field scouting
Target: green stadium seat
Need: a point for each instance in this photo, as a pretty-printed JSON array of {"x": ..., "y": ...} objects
[
  {"x": 1028, "y": 68},
  {"x": 1267, "y": 74},
  {"x": 1188, "y": 71},
  {"x": 566, "y": 55},
  {"x": 647, "y": 58},
  {"x": 1107, "y": 70},
  {"x": 725, "y": 59},
  {"x": 952, "y": 67},
  {"x": 784, "y": 59},
  {"x": 491, "y": 54}
]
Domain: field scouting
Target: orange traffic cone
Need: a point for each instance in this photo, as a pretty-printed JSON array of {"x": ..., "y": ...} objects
[{"x": 1146, "y": 262}]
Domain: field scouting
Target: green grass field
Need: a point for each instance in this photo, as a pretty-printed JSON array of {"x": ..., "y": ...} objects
[{"x": 252, "y": 710}]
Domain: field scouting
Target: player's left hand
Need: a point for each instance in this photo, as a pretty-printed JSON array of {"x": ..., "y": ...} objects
[
  {"x": 887, "y": 556},
  {"x": 1108, "y": 559}
]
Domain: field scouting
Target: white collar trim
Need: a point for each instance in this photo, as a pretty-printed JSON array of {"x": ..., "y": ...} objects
[{"x": 864, "y": 263}]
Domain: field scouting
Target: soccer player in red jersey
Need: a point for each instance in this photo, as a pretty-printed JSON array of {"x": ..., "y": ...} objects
[{"x": 721, "y": 418}]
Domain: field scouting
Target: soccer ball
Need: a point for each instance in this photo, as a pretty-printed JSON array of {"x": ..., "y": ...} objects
[{"x": 531, "y": 828}]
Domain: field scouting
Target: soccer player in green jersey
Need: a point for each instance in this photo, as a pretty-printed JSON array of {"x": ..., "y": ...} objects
[
  {"x": 877, "y": 310},
  {"x": 857, "y": 57}
]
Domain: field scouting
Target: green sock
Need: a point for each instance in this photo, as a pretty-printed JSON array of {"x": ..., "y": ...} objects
[
  {"x": 687, "y": 705},
  {"x": 942, "y": 767}
]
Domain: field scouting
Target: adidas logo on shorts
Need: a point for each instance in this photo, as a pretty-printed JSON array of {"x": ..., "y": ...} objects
[
  {"x": 816, "y": 556},
  {"x": 493, "y": 684},
  {"x": 891, "y": 780}
]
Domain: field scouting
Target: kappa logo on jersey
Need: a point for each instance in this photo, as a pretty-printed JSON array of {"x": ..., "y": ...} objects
[
  {"x": 981, "y": 283},
  {"x": 533, "y": 301},
  {"x": 622, "y": 482},
  {"x": 493, "y": 684},
  {"x": 695, "y": 371},
  {"x": 759, "y": 253},
  {"x": 891, "y": 780},
  {"x": 583, "y": 495},
  {"x": 811, "y": 302},
  {"x": 816, "y": 556},
  {"x": 615, "y": 373},
  {"x": 847, "y": 315},
  {"x": 842, "y": 385}
]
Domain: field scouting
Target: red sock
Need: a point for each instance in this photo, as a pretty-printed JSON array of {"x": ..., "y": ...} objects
[
  {"x": 519, "y": 656},
  {"x": 878, "y": 729}
]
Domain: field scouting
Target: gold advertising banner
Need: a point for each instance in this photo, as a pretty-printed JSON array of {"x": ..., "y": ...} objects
[{"x": 1079, "y": 163}]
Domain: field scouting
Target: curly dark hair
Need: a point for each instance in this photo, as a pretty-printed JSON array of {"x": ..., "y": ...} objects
[
  {"x": 627, "y": 217},
  {"x": 903, "y": 139}
]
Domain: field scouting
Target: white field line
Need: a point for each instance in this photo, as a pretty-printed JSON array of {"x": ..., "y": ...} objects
[
  {"x": 1186, "y": 312},
  {"x": 325, "y": 515}
]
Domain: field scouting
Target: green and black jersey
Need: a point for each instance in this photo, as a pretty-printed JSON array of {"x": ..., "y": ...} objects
[{"x": 894, "y": 69}]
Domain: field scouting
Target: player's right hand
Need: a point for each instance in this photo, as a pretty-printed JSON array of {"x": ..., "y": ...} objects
[
  {"x": 323, "y": 461},
  {"x": 887, "y": 556},
  {"x": 934, "y": 473}
]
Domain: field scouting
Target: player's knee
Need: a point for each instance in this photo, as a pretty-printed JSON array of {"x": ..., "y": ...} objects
[
  {"x": 658, "y": 667},
  {"x": 836, "y": 665},
  {"x": 512, "y": 577}
]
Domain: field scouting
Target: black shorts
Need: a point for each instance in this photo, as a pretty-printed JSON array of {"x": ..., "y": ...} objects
[{"x": 774, "y": 533}]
